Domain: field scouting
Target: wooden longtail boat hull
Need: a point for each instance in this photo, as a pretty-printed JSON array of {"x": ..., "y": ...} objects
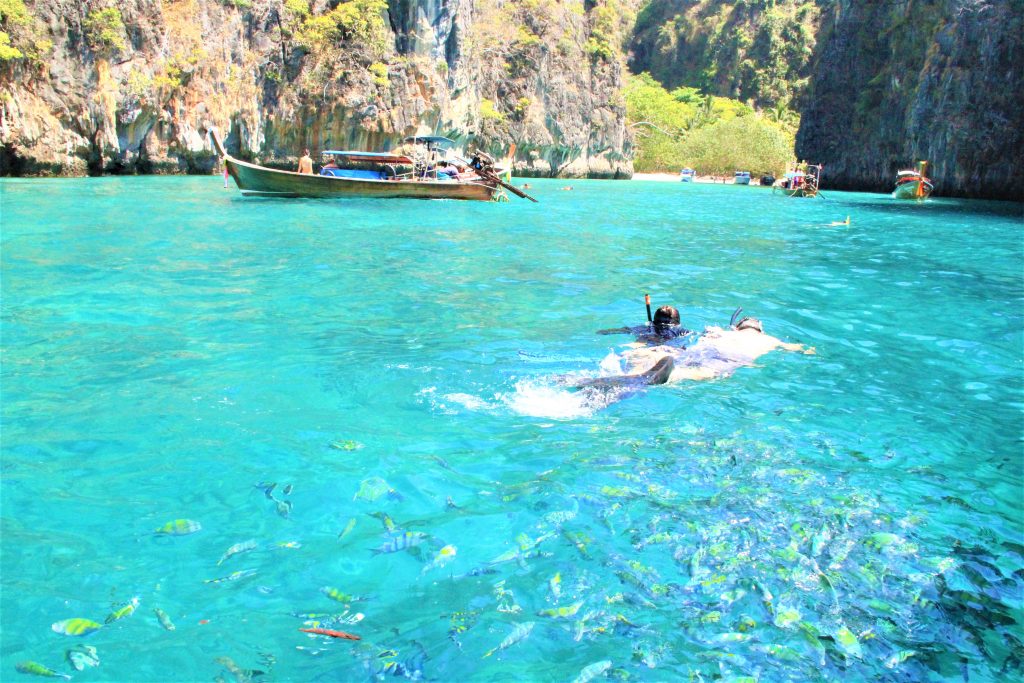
[
  {"x": 798, "y": 192},
  {"x": 255, "y": 180},
  {"x": 908, "y": 189}
]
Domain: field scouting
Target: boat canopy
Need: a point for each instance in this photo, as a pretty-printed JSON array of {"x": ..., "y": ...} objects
[
  {"x": 913, "y": 173},
  {"x": 742, "y": 174},
  {"x": 438, "y": 140},
  {"x": 794, "y": 174},
  {"x": 377, "y": 157}
]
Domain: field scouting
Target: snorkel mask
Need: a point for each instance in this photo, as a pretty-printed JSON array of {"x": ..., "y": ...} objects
[
  {"x": 744, "y": 323},
  {"x": 749, "y": 324}
]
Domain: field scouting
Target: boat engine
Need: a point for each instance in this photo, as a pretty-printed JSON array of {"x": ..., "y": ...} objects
[{"x": 482, "y": 162}]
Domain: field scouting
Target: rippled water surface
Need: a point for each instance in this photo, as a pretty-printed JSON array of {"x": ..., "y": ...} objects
[{"x": 171, "y": 350}]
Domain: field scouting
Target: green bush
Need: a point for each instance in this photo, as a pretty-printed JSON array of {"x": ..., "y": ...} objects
[
  {"x": 104, "y": 31},
  {"x": 8, "y": 52},
  {"x": 711, "y": 134},
  {"x": 746, "y": 143},
  {"x": 489, "y": 113},
  {"x": 380, "y": 73}
]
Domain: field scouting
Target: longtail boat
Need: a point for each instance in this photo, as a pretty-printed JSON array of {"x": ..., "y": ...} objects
[
  {"x": 913, "y": 184},
  {"x": 802, "y": 181},
  {"x": 374, "y": 174}
]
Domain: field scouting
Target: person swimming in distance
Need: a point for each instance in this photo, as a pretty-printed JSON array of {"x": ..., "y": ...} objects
[
  {"x": 717, "y": 353},
  {"x": 664, "y": 327}
]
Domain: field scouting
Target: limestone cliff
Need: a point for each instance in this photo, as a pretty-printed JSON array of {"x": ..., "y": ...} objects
[
  {"x": 134, "y": 86},
  {"x": 906, "y": 80}
]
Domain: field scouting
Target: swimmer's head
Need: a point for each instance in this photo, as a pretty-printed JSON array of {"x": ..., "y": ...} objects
[
  {"x": 749, "y": 324},
  {"x": 665, "y": 318}
]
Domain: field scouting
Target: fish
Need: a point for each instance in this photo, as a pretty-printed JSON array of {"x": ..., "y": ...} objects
[
  {"x": 898, "y": 658},
  {"x": 37, "y": 669},
  {"x": 335, "y": 594},
  {"x": 76, "y": 627},
  {"x": 592, "y": 671},
  {"x": 561, "y": 612},
  {"x": 164, "y": 620},
  {"x": 233, "y": 576},
  {"x": 287, "y": 489},
  {"x": 459, "y": 623},
  {"x": 696, "y": 571},
  {"x": 848, "y": 642},
  {"x": 81, "y": 656},
  {"x": 179, "y": 527},
  {"x": 125, "y": 611},
  {"x": 348, "y": 528},
  {"x": 371, "y": 489},
  {"x": 658, "y": 538},
  {"x": 331, "y": 633},
  {"x": 346, "y": 445},
  {"x": 555, "y": 585},
  {"x": 290, "y": 545},
  {"x": 519, "y": 632},
  {"x": 385, "y": 519},
  {"x": 409, "y": 539},
  {"x": 243, "y": 547},
  {"x": 443, "y": 557},
  {"x": 240, "y": 675},
  {"x": 268, "y": 488},
  {"x": 785, "y": 616}
]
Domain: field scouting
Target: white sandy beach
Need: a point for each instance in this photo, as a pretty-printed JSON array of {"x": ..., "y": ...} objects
[{"x": 674, "y": 178}]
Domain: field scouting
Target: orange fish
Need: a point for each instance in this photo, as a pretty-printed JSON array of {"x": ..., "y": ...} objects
[{"x": 332, "y": 634}]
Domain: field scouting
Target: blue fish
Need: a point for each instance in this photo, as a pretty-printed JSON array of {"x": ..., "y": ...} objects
[{"x": 404, "y": 541}]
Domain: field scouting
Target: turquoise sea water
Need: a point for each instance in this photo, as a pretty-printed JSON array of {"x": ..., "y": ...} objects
[{"x": 170, "y": 349}]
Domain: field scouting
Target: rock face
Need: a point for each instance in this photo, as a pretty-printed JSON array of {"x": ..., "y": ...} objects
[
  {"x": 901, "y": 81},
  {"x": 277, "y": 76}
]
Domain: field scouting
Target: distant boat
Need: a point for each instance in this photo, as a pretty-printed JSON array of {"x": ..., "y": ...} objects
[
  {"x": 742, "y": 178},
  {"x": 687, "y": 175},
  {"x": 767, "y": 180},
  {"x": 372, "y": 174},
  {"x": 802, "y": 181},
  {"x": 913, "y": 184}
]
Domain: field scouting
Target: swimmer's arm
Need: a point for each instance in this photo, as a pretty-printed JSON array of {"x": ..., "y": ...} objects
[
  {"x": 615, "y": 330},
  {"x": 809, "y": 350}
]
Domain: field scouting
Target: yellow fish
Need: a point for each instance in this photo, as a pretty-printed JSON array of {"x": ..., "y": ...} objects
[
  {"x": 37, "y": 669},
  {"x": 561, "y": 612},
  {"x": 76, "y": 627},
  {"x": 179, "y": 527},
  {"x": 125, "y": 611}
]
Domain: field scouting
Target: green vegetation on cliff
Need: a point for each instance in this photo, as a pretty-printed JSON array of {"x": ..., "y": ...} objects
[
  {"x": 757, "y": 51},
  {"x": 715, "y": 135},
  {"x": 20, "y": 34}
]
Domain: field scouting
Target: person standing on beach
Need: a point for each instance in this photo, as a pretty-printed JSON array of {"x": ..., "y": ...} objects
[{"x": 305, "y": 163}]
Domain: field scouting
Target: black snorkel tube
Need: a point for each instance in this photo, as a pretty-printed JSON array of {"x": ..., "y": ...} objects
[
  {"x": 735, "y": 314},
  {"x": 650, "y": 318}
]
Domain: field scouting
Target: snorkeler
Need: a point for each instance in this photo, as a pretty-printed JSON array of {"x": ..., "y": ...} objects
[
  {"x": 663, "y": 326},
  {"x": 717, "y": 353}
]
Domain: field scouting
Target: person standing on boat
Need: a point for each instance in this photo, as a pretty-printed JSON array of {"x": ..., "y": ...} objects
[{"x": 306, "y": 163}]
